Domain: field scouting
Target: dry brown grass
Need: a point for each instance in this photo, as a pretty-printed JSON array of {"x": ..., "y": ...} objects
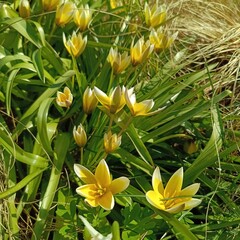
[{"x": 210, "y": 29}]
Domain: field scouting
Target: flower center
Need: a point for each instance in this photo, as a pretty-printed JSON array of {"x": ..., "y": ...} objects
[{"x": 100, "y": 191}]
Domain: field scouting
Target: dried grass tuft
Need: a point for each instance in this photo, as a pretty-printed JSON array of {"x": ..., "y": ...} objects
[{"x": 210, "y": 29}]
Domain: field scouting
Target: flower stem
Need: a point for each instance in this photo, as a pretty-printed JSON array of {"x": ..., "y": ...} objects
[
  {"x": 125, "y": 126},
  {"x": 81, "y": 155}
]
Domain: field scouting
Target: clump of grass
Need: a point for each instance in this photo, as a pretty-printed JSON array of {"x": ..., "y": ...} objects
[{"x": 211, "y": 31}]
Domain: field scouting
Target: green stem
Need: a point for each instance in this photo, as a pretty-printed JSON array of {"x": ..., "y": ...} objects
[
  {"x": 78, "y": 75},
  {"x": 180, "y": 228},
  {"x": 81, "y": 155},
  {"x": 110, "y": 82},
  {"x": 52, "y": 32},
  {"x": 125, "y": 126},
  {"x": 110, "y": 122}
]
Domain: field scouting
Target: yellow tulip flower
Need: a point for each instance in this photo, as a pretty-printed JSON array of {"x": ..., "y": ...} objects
[
  {"x": 119, "y": 62},
  {"x": 76, "y": 44},
  {"x": 64, "y": 13},
  {"x": 65, "y": 98},
  {"x": 140, "y": 51},
  {"x": 114, "y": 102},
  {"x": 24, "y": 9},
  {"x": 111, "y": 142},
  {"x": 172, "y": 198},
  {"x": 154, "y": 16},
  {"x": 82, "y": 17},
  {"x": 89, "y": 101},
  {"x": 160, "y": 40},
  {"x": 99, "y": 188},
  {"x": 50, "y": 5},
  {"x": 138, "y": 109},
  {"x": 80, "y": 136}
]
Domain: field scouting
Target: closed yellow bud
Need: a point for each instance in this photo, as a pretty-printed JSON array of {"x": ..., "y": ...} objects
[
  {"x": 111, "y": 142},
  {"x": 76, "y": 44},
  {"x": 82, "y": 17},
  {"x": 140, "y": 51},
  {"x": 24, "y": 9},
  {"x": 190, "y": 147},
  {"x": 154, "y": 16},
  {"x": 80, "y": 136},
  {"x": 89, "y": 101},
  {"x": 50, "y": 5},
  {"x": 65, "y": 98},
  {"x": 119, "y": 62},
  {"x": 64, "y": 13}
]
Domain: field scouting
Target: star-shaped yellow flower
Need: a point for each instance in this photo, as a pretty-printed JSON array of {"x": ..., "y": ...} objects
[
  {"x": 138, "y": 109},
  {"x": 155, "y": 16},
  {"x": 111, "y": 142},
  {"x": 114, "y": 102},
  {"x": 99, "y": 188},
  {"x": 65, "y": 98},
  {"x": 64, "y": 13},
  {"x": 140, "y": 51},
  {"x": 119, "y": 62},
  {"x": 76, "y": 44},
  {"x": 172, "y": 198},
  {"x": 82, "y": 17}
]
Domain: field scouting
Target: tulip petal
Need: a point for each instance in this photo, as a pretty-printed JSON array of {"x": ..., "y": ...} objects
[
  {"x": 92, "y": 202},
  {"x": 106, "y": 201},
  {"x": 118, "y": 185},
  {"x": 143, "y": 107},
  {"x": 192, "y": 203},
  {"x": 157, "y": 181},
  {"x": 176, "y": 208},
  {"x": 190, "y": 190},
  {"x": 84, "y": 174},
  {"x": 102, "y": 97},
  {"x": 155, "y": 199},
  {"x": 174, "y": 184},
  {"x": 102, "y": 174},
  {"x": 88, "y": 191}
]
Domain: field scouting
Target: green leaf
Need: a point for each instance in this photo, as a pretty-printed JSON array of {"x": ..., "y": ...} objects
[
  {"x": 139, "y": 145},
  {"x": 21, "y": 155},
  {"x": 42, "y": 124},
  {"x": 21, "y": 184},
  {"x": 210, "y": 153},
  {"x": 9, "y": 89},
  {"x": 38, "y": 64},
  {"x": 26, "y": 29}
]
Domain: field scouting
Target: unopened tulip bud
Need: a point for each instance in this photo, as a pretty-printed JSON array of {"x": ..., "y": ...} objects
[
  {"x": 190, "y": 147},
  {"x": 140, "y": 51},
  {"x": 80, "y": 136},
  {"x": 82, "y": 17},
  {"x": 50, "y": 5},
  {"x": 119, "y": 62},
  {"x": 111, "y": 142},
  {"x": 24, "y": 9},
  {"x": 64, "y": 13},
  {"x": 89, "y": 101}
]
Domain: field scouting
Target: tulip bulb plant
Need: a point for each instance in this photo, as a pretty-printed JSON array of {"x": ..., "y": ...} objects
[{"x": 101, "y": 129}]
